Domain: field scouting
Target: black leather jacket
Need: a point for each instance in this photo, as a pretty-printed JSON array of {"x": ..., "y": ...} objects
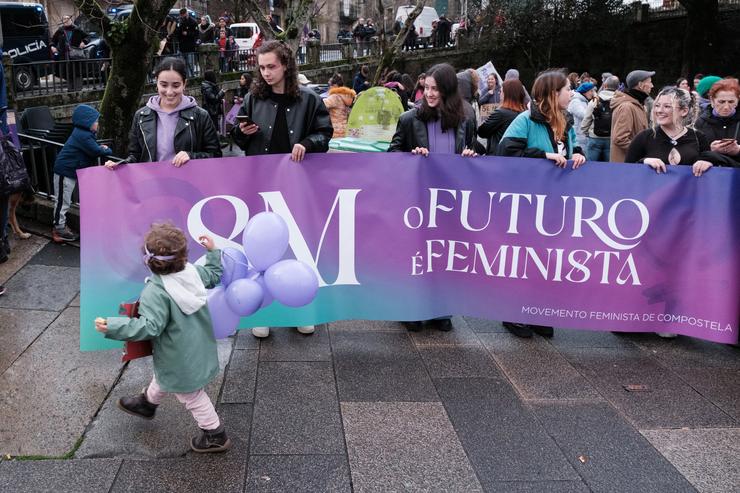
[
  {"x": 194, "y": 134},
  {"x": 412, "y": 132},
  {"x": 308, "y": 123}
]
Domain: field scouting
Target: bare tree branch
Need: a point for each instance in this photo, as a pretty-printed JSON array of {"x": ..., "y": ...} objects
[{"x": 390, "y": 53}]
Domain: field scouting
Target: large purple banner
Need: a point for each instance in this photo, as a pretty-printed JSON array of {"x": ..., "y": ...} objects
[{"x": 401, "y": 237}]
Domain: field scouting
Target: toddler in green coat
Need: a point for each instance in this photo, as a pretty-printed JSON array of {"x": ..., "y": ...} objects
[{"x": 173, "y": 314}]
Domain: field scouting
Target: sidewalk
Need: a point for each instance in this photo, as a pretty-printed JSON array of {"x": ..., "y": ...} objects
[{"x": 364, "y": 406}]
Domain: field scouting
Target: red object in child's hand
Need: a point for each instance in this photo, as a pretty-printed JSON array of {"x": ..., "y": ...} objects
[{"x": 133, "y": 349}]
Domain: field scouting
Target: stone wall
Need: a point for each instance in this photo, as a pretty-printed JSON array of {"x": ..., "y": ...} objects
[{"x": 63, "y": 104}]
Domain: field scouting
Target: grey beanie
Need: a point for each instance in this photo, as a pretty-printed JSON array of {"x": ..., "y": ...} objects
[{"x": 512, "y": 73}]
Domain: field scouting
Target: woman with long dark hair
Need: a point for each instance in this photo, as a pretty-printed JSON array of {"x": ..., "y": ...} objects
[
  {"x": 497, "y": 122},
  {"x": 543, "y": 132},
  {"x": 171, "y": 127},
  {"x": 438, "y": 125}
]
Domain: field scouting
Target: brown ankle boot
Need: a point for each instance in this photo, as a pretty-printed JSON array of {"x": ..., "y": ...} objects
[
  {"x": 137, "y": 405},
  {"x": 211, "y": 441}
]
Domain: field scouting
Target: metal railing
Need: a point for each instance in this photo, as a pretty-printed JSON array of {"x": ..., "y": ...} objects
[
  {"x": 330, "y": 52},
  {"x": 39, "y": 155},
  {"x": 54, "y": 77},
  {"x": 51, "y": 77}
]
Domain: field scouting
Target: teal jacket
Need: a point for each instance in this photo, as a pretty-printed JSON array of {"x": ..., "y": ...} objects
[
  {"x": 529, "y": 135},
  {"x": 184, "y": 348}
]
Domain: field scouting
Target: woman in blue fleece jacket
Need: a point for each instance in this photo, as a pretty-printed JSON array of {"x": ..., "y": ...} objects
[{"x": 80, "y": 151}]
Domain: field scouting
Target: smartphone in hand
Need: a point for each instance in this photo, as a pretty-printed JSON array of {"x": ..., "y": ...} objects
[{"x": 245, "y": 119}]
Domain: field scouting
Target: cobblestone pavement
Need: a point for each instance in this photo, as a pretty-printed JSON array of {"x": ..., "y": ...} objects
[{"x": 364, "y": 406}]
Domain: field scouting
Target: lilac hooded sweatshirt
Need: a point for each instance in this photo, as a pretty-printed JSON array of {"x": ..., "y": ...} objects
[{"x": 167, "y": 124}]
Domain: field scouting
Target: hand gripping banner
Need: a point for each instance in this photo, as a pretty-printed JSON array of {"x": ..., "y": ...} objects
[{"x": 400, "y": 237}]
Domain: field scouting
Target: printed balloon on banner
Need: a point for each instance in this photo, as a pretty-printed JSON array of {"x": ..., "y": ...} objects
[
  {"x": 265, "y": 240},
  {"x": 292, "y": 283},
  {"x": 224, "y": 320}
]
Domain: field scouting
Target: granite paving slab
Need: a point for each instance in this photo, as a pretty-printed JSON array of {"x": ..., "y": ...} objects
[
  {"x": 405, "y": 446},
  {"x": 666, "y": 402},
  {"x": 222, "y": 473},
  {"x": 50, "y": 393},
  {"x": 536, "y": 368},
  {"x": 459, "y": 361},
  {"x": 22, "y": 252},
  {"x": 296, "y": 410},
  {"x": 19, "y": 329},
  {"x": 54, "y": 476},
  {"x": 298, "y": 473},
  {"x": 76, "y": 301},
  {"x": 539, "y": 487},
  {"x": 57, "y": 254},
  {"x": 245, "y": 340},
  {"x": 41, "y": 287},
  {"x": 608, "y": 453},
  {"x": 237, "y": 419},
  {"x": 708, "y": 458},
  {"x": 287, "y": 344},
  {"x": 366, "y": 326},
  {"x": 380, "y": 366},
  {"x": 720, "y": 386},
  {"x": 460, "y": 335},
  {"x": 588, "y": 338},
  {"x": 688, "y": 352},
  {"x": 502, "y": 438},
  {"x": 483, "y": 325},
  {"x": 241, "y": 377},
  {"x": 115, "y": 433}
]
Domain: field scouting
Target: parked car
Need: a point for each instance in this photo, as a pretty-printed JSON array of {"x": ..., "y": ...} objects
[
  {"x": 24, "y": 35},
  {"x": 245, "y": 34}
]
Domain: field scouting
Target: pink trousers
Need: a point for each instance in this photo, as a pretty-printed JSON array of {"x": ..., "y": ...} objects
[{"x": 198, "y": 403}]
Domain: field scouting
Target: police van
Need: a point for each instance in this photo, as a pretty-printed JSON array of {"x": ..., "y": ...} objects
[{"x": 24, "y": 35}]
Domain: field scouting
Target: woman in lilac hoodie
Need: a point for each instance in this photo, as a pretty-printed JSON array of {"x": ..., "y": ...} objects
[{"x": 171, "y": 127}]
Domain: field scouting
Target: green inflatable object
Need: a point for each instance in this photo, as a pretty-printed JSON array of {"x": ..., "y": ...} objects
[{"x": 374, "y": 115}]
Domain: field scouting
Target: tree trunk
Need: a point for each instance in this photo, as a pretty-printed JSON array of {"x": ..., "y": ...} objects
[
  {"x": 297, "y": 14},
  {"x": 132, "y": 50},
  {"x": 390, "y": 53}
]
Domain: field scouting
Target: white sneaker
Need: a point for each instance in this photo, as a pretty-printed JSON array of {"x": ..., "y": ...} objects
[
  {"x": 306, "y": 329},
  {"x": 260, "y": 332},
  {"x": 666, "y": 335}
]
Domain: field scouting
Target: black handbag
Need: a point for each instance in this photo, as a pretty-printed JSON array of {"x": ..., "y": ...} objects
[{"x": 13, "y": 172}]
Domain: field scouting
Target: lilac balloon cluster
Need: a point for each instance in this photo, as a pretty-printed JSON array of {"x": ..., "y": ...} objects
[{"x": 254, "y": 278}]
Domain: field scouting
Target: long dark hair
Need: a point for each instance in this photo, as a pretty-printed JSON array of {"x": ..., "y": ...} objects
[
  {"x": 450, "y": 110},
  {"x": 172, "y": 63},
  {"x": 260, "y": 88}
]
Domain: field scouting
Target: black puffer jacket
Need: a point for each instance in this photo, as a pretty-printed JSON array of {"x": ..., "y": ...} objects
[
  {"x": 194, "y": 134},
  {"x": 717, "y": 128},
  {"x": 495, "y": 126},
  {"x": 308, "y": 123},
  {"x": 213, "y": 98},
  {"x": 411, "y": 133}
]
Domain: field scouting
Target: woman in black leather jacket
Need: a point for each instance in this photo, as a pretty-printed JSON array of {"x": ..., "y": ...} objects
[
  {"x": 171, "y": 127},
  {"x": 437, "y": 126}
]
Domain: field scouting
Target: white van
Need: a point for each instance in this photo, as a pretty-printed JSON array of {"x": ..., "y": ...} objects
[
  {"x": 245, "y": 34},
  {"x": 423, "y": 23}
]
